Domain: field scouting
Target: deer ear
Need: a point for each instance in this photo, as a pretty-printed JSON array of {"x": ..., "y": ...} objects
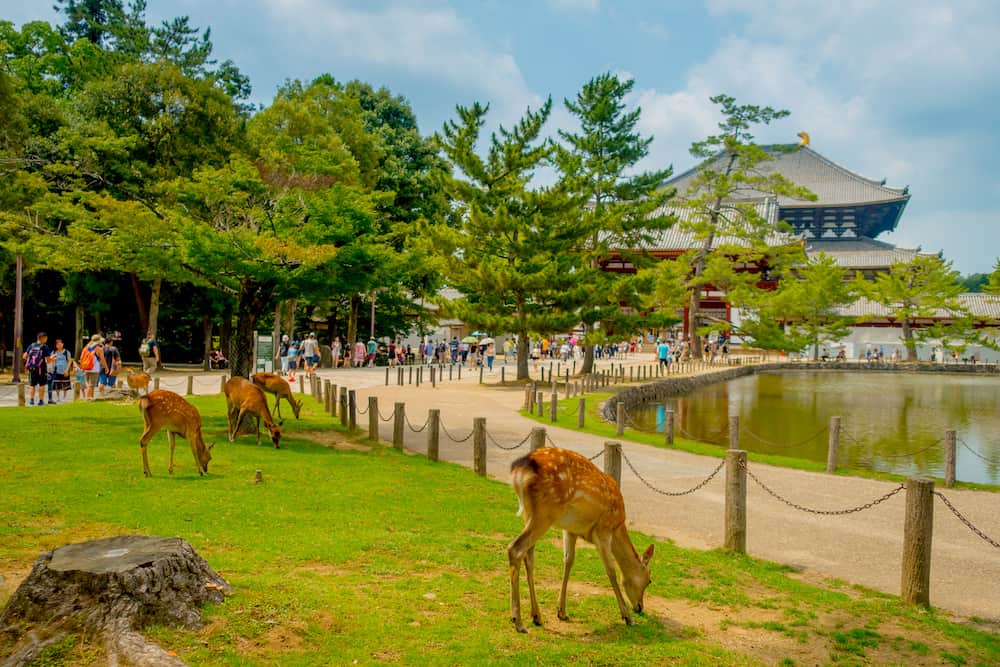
[
  {"x": 647, "y": 556},
  {"x": 210, "y": 445}
]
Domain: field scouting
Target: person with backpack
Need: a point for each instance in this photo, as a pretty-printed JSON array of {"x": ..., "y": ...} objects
[
  {"x": 63, "y": 365},
  {"x": 109, "y": 374},
  {"x": 36, "y": 357},
  {"x": 91, "y": 362},
  {"x": 149, "y": 350}
]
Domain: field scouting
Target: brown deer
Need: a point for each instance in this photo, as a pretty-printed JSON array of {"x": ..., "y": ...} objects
[
  {"x": 243, "y": 398},
  {"x": 165, "y": 409},
  {"x": 273, "y": 383},
  {"x": 138, "y": 381},
  {"x": 560, "y": 488}
]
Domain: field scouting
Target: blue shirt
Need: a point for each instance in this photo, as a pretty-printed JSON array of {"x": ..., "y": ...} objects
[{"x": 663, "y": 350}]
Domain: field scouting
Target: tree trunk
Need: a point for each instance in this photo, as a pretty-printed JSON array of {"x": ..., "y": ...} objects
[
  {"x": 97, "y": 323},
  {"x": 226, "y": 331},
  {"x": 111, "y": 587},
  {"x": 523, "y": 345},
  {"x": 694, "y": 309},
  {"x": 140, "y": 304},
  {"x": 288, "y": 317},
  {"x": 79, "y": 332},
  {"x": 276, "y": 336},
  {"x": 253, "y": 301},
  {"x": 911, "y": 344},
  {"x": 352, "y": 319},
  {"x": 588, "y": 358},
  {"x": 154, "y": 305},
  {"x": 206, "y": 337}
]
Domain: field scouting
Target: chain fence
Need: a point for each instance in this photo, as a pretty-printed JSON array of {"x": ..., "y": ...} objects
[
  {"x": 783, "y": 447},
  {"x": 357, "y": 409},
  {"x": 696, "y": 487},
  {"x": 840, "y": 512},
  {"x": 383, "y": 417},
  {"x": 988, "y": 460},
  {"x": 914, "y": 453},
  {"x": 505, "y": 447},
  {"x": 448, "y": 435},
  {"x": 406, "y": 418},
  {"x": 961, "y": 517}
]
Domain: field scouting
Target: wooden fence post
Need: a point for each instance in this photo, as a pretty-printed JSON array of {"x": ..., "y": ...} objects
[
  {"x": 540, "y": 402},
  {"x": 833, "y": 448},
  {"x": 343, "y": 406},
  {"x": 328, "y": 393},
  {"x": 668, "y": 427},
  {"x": 613, "y": 461},
  {"x": 222, "y": 383},
  {"x": 949, "y": 458},
  {"x": 734, "y": 432},
  {"x": 433, "y": 433},
  {"x": 736, "y": 501},
  {"x": 479, "y": 445},
  {"x": 620, "y": 418},
  {"x": 20, "y": 393},
  {"x": 918, "y": 528},
  {"x": 352, "y": 411},
  {"x": 581, "y": 412},
  {"x": 373, "y": 418},
  {"x": 156, "y": 383},
  {"x": 387, "y": 376},
  {"x": 554, "y": 407},
  {"x": 399, "y": 417},
  {"x": 433, "y": 377},
  {"x": 537, "y": 438},
  {"x": 190, "y": 385}
]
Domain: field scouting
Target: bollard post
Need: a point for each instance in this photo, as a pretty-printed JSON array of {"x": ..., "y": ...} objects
[
  {"x": 833, "y": 448},
  {"x": 433, "y": 377},
  {"x": 529, "y": 396},
  {"x": 400, "y": 378},
  {"x": 540, "y": 402},
  {"x": 420, "y": 372},
  {"x": 387, "y": 376},
  {"x": 949, "y": 458},
  {"x": 630, "y": 369},
  {"x": 190, "y": 385},
  {"x": 399, "y": 417},
  {"x": 222, "y": 383},
  {"x": 76, "y": 392},
  {"x": 734, "y": 432},
  {"x": 373, "y": 418},
  {"x": 20, "y": 394},
  {"x": 613, "y": 461},
  {"x": 479, "y": 445},
  {"x": 328, "y": 393},
  {"x": 343, "y": 406},
  {"x": 918, "y": 528},
  {"x": 459, "y": 372},
  {"x": 620, "y": 418},
  {"x": 668, "y": 428},
  {"x": 302, "y": 386},
  {"x": 433, "y": 433},
  {"x": 450, "y": 369},
  {"x": 736, "y": 501},
  {"x": 537, "y": 438},
  {"x": 542, "y": 379},
  {"x": 554, "y": 407},
  {"x": 581, "y": 412},
  {"x": 480, "y": 375},
  {"x": 352, "y": 411},
  {"x": 411, "y": 375},
  {"x": 502, "y": 369},
  {"x": 156, "y": 383}
]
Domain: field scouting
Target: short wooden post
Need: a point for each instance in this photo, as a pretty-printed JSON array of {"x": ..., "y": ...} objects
[
  {"x": 668, "y": 427},
  {"x": 190, "y": 385},
  {"x": 400, "y": 378},
  {"x": 949, "y": 458},
  {"x": 399, "y": 418},
  {"x": 420, "y": 373},
  {"x": 433, "y": 433},
  {"x": 554, "y": 407},
  {"x": 373, "y": 418},
  {"x": 479, "y": 445},
  {"x": 630, "y": 370},
  {"x": 387, "y": 376},
  {"x": 833, "y": 448},
  {"x": 156, "y": 383},
  {"x": 411, "y": 375},
  {"x": 537, "y": 438},
  {"x": 352, "y": 410},
  {"x": 918, "y": 528},
  {"x": 581, "y": 412},
  {"x": 451, "y": 368},
  {"x": 302, "y": 385},
  {"x": 328, "y": 394},
  {"x": 480, "y": 375},
  {"x": 433, "y": 377},
  {"x": 613, "y": 461},
  {"x": 20, "y": 394},
  {"x": 343, "y": 406},
  {"x": 540, "y": 402},
  {"x": 542, "y": 379},
  {"x": 459, "y": 372},
  {"x": 529, "y": 398},
  {"x": 620, "y": 418},
  {"x": 502, "y": 374},
  {"x": 736, "y": 501},
  {"x": 734, "y": 432},
  {"x": 222, "y": 383}
]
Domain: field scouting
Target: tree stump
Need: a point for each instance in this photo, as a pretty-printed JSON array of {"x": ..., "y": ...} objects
[{"x": 111, "y": 588}]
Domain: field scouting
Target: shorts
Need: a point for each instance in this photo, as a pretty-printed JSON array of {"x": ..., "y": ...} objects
[
  {"x": 108, "y": 380},
  {"x": 91, "y": 378},
  {"x": 284, "y": 364},
  {"x": 60, "y": 382},
  {"x": 292, "y": 363},
  {"x": 38, "y": 379},
  {"x": 312, "y": 360}
]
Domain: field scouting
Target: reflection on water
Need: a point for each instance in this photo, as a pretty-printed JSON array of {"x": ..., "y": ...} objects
[{"x": 884, "y": 418}]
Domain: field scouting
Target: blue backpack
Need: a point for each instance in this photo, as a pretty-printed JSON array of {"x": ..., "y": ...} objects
[{"x": 36, "y": 358}]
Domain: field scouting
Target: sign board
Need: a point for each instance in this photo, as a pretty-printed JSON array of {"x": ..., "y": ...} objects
[{"x": 263, "y": 353}]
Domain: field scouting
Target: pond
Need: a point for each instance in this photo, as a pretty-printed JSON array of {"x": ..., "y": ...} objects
[{"x": 890, "y": 422}]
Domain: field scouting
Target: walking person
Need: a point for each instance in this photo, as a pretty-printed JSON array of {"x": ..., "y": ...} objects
[
  {"x": 310, "y": 354},
  {"x": 109, "y": 374},
  {"x": 663, "y": 353},
  {"x": 149, "y": 350},
  {"x": 92, "y": 361},
  {"x": 63, "y": 366},
  {"x": 35, "y": 359},
  {"x": 283, "y": 353},
  {"x": 491, "y": 353},
  {"x": 293, "y": 359},
  {"x": 359, "y": 354},
  {"x": 335, "y": 352}
]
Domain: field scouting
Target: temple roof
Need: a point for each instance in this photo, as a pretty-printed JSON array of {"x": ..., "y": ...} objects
[
  {"x": 981, "y": 306},
  {"x": 831, "y": 183},
  {"x": 861, "y": 253}
]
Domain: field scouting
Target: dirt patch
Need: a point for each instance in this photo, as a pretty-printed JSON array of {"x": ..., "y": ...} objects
[
  {"x": 11, "y": 576},
  {"x": 332, "y": 439}
]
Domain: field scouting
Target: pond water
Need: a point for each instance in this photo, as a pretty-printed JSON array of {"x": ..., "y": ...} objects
[{"x": 890, "y": 422}]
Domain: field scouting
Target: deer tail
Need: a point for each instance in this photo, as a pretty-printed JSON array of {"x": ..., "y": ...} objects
[{"x": 143, "y": 403}]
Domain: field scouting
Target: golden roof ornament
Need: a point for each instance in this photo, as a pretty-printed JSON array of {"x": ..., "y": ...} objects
[{"x": 804, "y": 136}]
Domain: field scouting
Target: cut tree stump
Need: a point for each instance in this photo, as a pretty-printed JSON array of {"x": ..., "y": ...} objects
[{"x": 111, "y": 588}]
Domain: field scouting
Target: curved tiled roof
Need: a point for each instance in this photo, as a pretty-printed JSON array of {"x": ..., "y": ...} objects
[{"x": 981, "y": 306}]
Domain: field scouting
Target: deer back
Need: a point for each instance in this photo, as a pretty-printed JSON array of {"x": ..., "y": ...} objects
[
  {"x": 273, "y": 383},
  {"x": 165, "y": 409},
  {"x": 241, "y": 394}
]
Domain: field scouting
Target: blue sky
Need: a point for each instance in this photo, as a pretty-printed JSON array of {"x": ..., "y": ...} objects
[{"x": 906, "y": 90}]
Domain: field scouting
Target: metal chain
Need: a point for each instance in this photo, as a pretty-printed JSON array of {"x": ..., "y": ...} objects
[
  {"x": 987, "y": 460},
  {"x": 385, "y": 419},
  {"x": 696, "y": 487},
  {"x": 453, "y": 438},
  {"x": 968, "y": 523},
  {"x": 710, "y": 439},
  {"x": 908, "y": 454},
  {"x": 493, "y": 440},
  {"x": 844, "y": 432},
  {"x": 406, "y": 418},
  {"x": 851, "y": 510},
  {"x": 779, "y": 445},
  {"x": 551, "y": 441},
  {"x": 357, "y": 408},
  {"x": 596, "y": 456}
]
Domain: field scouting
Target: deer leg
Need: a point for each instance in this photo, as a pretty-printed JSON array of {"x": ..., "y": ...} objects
[
  {"x": 147, "y": 435},
  {"x": 277, "y": 409},
  {"x": 172, "y": 437},
  {"x": 258, "y": 429},
  {"x": 233, "y": 425},
  {"x": 516, "y": 552},
  {"x": 603, "y": 543},
  {"x": 529, "y": 571},
  {"x": 569, "y": 555}
]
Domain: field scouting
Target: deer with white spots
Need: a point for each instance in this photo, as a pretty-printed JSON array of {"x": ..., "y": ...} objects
[
  {"x": 273, "y": 383},
  {"x": 243, "y": 398},
  {"x": 562, "y": 489},
  {"x": 165, "y": 409}
]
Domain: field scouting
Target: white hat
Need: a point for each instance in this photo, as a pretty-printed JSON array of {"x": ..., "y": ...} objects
[{"x": 285, "y": 338}]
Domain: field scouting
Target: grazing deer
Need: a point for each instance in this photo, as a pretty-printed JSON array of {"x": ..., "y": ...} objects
[
  {"x": 273, "y": 383},
  {"x": 165, "y": 409},
  {"x": 560, "y": 488},
  {"x": 138, "y": 381},
  {"x": 243, "y": 398}
]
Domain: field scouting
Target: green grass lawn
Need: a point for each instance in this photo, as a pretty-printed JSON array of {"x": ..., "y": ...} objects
[{"x": 366, "y": 557}]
